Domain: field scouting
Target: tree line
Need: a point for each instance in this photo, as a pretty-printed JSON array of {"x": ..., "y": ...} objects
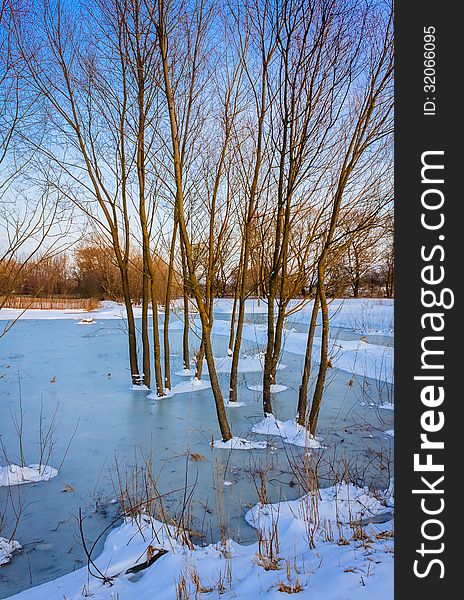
[{"x": 90, "y": 271}]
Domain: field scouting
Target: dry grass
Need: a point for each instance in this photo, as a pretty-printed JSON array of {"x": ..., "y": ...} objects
[
  {"x": 29, "y": 302},
  {"x": 182, "y": 592},
  {"x": 268, "y": 549},
  {"x": 294, "y": 588}
]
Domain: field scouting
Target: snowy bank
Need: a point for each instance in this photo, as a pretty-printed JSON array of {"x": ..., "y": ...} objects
[
  {"x": 322, "y": 554},
  {"x": 368, "y": 316}
]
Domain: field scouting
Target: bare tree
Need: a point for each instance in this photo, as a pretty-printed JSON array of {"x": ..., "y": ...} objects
[
  {"x": 367, "y": 131},
  {"x": 163, "y": 16},
  {"x": 311, "y": 77},
  {"x": 64, "y": 64},
  {"x": 33, "y": 226},
  {"x": 256, "y": 30}
]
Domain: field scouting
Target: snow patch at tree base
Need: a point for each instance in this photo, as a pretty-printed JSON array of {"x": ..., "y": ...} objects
[
  {"x": 16, "y": 475},
  {"x": 7, "y": 549},
  {"x": 184, "y": 387},
  {"x": 290, "y": 431},
  {"x": 237, "y": 443}
]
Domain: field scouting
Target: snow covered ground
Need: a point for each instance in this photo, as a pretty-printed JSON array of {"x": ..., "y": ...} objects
[
  {"x": 320, "y": 546},
  {"x": 369, "y": 316}
]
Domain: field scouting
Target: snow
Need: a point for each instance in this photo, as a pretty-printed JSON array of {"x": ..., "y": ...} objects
[
  {"x": 387, "y": 406},
  {"x": 390, "y": 432},
  {"x": 7, "y": 549},
  {"x": 289, "y": 431},
  {"x": 16, "y": 475},
  {"x": 184, "y": 387},
  {"x": 341, "y": 503},
  {"x": 139, "y": 388},
  {"x": 368, "y": 316},
  {"x": 185, "y": 373},
  {"x": 233, "y": 404},
  {"x": 321, "y": 550},
  {"x": 252, "y": 306},
  {"x": 275, "y": 388},
  {"x": 237, "y": 443},
  {"x": 87, "y": 321},
  {"x": 247, "y": 364},
  {"x": 357, "y": 357}
]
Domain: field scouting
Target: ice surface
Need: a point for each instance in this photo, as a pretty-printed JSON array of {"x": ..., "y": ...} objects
[
  {"x": 185, "y": 373},
  {"x": 249, "y": 364}
]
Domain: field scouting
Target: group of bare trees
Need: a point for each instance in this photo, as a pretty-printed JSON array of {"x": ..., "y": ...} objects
[{"x": 246, "y": 143}]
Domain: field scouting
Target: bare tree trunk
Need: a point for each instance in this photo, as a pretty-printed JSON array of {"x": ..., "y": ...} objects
[
  {"x": 186, "y": 296},
  {"x": 220, "y": 409},
  {"x": 246, "y": 252},
  {"x": 132, "y": 338},
  {"x": 275, "y": 330},
  {"x": 156, "y": 339},
  {"x": 319, "y": 389},
  {"x": 199, "y": 359},
  {"x": 234, "y": 308},
  {"x": 142, "y": 57},
  {"x": 167, "y": 310},
  {"x": 146, "y": 359},
  {"x": 303, "y": 390}
]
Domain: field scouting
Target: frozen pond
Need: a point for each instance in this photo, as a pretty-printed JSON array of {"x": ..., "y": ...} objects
[{"x": 81, "y": 372}]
